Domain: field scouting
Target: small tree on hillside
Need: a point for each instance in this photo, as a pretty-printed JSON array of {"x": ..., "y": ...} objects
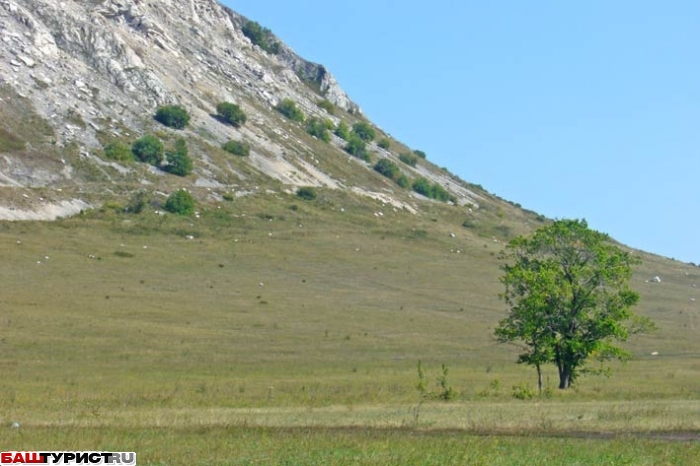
[
  {"x": 180, "y": 202},
  {"x": 318, "y": 128},
  {"x": 566, "y": 287},
  {"x": 288, "y": 108},
  {"x": 231, "y": 113},
  {"x": 173, "y": 116},
  {"x": 260, "y": 36},
  {"x": 342, "y": 130},
  {"x": 357, "y": 147},
  {"x": 179, "y": 161},
  {"x": 237, "y": 148},
  {"x": 148, "y": 149},
  {"x": 388, "y": 168},
  {"x": 364, "y": 131}
]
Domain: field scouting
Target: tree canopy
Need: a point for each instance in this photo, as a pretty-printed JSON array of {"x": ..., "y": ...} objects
[{"x": 569, "y": 299}]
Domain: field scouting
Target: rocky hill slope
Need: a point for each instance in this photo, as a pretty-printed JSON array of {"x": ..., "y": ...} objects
[{"x": 77, "y": 75}]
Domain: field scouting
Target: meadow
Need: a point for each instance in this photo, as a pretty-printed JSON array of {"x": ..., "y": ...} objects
[{"x": 276, "y": 331}]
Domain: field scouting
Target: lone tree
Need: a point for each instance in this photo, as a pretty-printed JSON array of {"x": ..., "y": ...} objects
[{"x": 566, "y": 286}]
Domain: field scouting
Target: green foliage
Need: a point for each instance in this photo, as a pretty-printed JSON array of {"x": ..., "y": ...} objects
[
  {"x": 327, "y": 105},
  {"x": 409, "y": 159},
  {"x": 180, "y": 202},
  {"x": 433, "y": 191},
  {"x": 388, "y": 168},
  {"x": 231, "y": 113},
  {"x": 419, "y": 153},
  {"x": 117, "y": 150},
  {"x": 384, "y": 143},
  {"x": 364, "y": 131},
  {"x": 307, "y": 193},
  {"x": 342, "y": 130},
  {"x": 403, "y": 181},
  {"x": 237, "y": 148},
  {"x": 173, "y": 116},
  {"x": 138, "y": 202},
  {"x": 9, "y": 142},
  {"x": 445, "y": 393},
  {"x": 262, "y": 37},
  {"x": 566, "y": 287},
  {"x": 469, "y": 223},
  {"x": 148, "y": 149},
  {"x": 179, "y": 161},
  {"x": 357, "y": 147},
  {"x": 289, "y": 109},
  {"x": 523, "y": 392},
  {"x": 317, "y": 127}
]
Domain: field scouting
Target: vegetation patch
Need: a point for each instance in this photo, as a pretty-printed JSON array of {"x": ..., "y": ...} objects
[
  {"x": 9, "y": 142},
  {"x": 117, "y": 150},
  {"x": 179, "y": 161},
  {"x": 289, "y": 109},
  {"x": 180, "y": 202},
  {"x": 173, "y": 116},
  {"x": 318, "y": 128},
  {"x": 432, "y": 190},
  {"x": 148, "y": 149},
  {"x": 239, "y": 148},
  {"x": 231, "y": 113},
  {"x": 307, "y": 193},
  {"x": 262, "y": 37}
]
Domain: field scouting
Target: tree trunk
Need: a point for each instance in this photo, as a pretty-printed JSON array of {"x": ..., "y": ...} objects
[
  {"x": 564, "y": 377},
  {"x": 539, "y": 379}
]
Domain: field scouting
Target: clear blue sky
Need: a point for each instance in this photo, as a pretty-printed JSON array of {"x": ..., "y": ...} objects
[{"x": 572, "y": 109}]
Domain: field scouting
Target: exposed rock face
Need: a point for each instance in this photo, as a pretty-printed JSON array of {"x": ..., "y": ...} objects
[{"x": 100, "y": 67}]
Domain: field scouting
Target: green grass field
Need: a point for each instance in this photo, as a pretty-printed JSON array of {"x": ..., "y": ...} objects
[{"x": 288, "y": 332}]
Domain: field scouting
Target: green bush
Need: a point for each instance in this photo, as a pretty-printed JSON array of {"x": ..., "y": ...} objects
[
  {"x": 289, "y": 109},
  {"x": 307, "y": 193},
  {"x": 317, "y": 127},
  {"x": 179, "y": 161},
  {"x": 173, "y": 116},
  {"x": 180, "y": 202},
  {"x": 237, "y": 148},
  {"x": 138, "y": 202},
  {"x": 231, "y": 114},
  {"x": 403, "y": 181},
  {"x": 262, "y": 37},
  {"x": 357, "y": 147},
  {"x": 117, "y": 150},
  {"x": 364, "y": 131},
  {"x": 420, "y": 154},
  {"x": 148, "y": 149},
  {"x": 433, "y": 191},
  {"x": 342, "y": 130},
  {"x": 388, "y": 168},
  {"x": 409, "y": 159},
  {"x": 327, "y": 105},
  {"x": 384, "y": 143},
  {"x": 523, "y": 392}
]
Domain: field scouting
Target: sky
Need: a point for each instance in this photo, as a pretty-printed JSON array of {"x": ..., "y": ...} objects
[{"x": 571, "y": 109}]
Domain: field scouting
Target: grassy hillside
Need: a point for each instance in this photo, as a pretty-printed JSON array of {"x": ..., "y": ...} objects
[{"x": 283, "y": 313}]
